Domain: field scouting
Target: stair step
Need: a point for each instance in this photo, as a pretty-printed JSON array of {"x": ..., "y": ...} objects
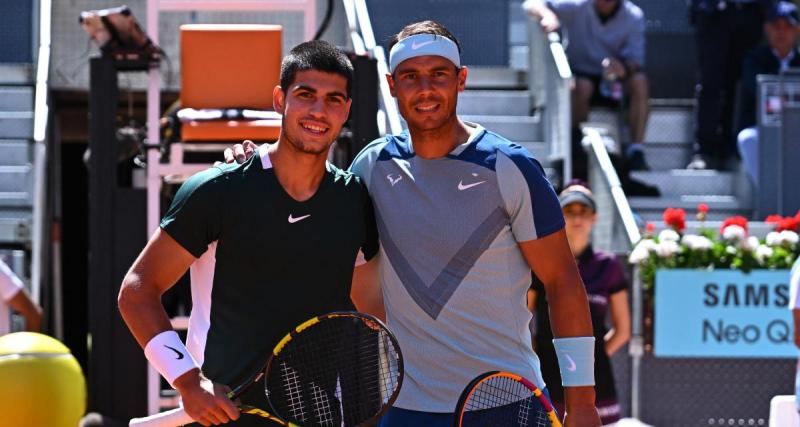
[
  {"x": 669, "y": 125},
  {"x": 720, "y": 207},
  {"x": 14, "y": 125},
  {"x": 494, "y": 102},
  {"x": 540, "y": 150},
  {"x": 15, "y": 185},
  {"x": 16, "y": 98},
  {"x": 514, "y": 128},
  {"x": 14, "y": 152},
  {"x": 15, "y": 226},
  {"x": 495, "y": 78},
  {"x": 681, "y": 182},
  {"x": 667, "y": 156}
]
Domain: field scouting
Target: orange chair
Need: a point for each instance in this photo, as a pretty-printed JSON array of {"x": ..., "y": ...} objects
[{"x": 230, "y": 67}]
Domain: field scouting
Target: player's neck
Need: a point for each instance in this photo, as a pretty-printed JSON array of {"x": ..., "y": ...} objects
[
  {"x": 299, "y": 173},
  {"x": 435, "y": 143}
]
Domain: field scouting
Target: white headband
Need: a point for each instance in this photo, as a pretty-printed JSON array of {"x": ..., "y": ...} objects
[{"x": 422, "y": 45}]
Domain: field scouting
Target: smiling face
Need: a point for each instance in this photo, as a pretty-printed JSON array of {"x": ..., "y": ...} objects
[
  {"x": 314, "y": 107},
  {"x": 426, "y": 88}
]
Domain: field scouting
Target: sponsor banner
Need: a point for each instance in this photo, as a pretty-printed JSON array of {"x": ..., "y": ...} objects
[{"x": 723, "y": 314}]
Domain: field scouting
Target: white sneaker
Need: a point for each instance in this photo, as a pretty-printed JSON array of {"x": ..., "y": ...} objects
[{"x": 697, "y": 163}]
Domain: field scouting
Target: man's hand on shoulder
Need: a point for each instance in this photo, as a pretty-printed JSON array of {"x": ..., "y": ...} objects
[
  {"x": 240, "y": 152},
  {"x": 204, "y": 401}
]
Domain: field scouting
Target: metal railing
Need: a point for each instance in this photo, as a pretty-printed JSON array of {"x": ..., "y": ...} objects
[
  {"x": 41, "y": 115},
  {"x": 616, "y": 230},
  {"x": 549, "y": 83},
  {"x": 363, "y": 39}
]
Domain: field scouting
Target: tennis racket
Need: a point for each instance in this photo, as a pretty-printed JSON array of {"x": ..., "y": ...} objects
[
  {"x": 340, "y": 369},
  {"x": 504, "y": 399}
]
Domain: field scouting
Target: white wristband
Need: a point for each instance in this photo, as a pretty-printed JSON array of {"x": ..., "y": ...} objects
[{"x": 169, "y": 356}]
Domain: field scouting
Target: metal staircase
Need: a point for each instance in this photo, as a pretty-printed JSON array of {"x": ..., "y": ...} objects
[
  {"x": 668, "y": 148},
  {"x": 16, "y": 173}
]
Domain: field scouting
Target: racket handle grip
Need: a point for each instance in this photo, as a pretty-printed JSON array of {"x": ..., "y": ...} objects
[{"x": 172, "y": 418}]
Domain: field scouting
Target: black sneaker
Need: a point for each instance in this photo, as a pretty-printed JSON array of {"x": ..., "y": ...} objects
[
  {"x": 636, "y": 161},
  {"x": 634, "y": 187}
]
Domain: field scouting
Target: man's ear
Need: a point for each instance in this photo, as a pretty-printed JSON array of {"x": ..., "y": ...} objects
[
  {"x": 462, "y": 79},
  {"x": 278, "y": 99},
  {"x": 390, "y": 80}
]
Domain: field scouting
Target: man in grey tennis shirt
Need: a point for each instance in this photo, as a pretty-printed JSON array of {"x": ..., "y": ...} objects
[{"x": 463, "y": 216}]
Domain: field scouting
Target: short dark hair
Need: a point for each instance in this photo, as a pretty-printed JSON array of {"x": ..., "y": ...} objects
[
  {"x": 424, "y": 27},
  {"x": 316, "y": 55}
]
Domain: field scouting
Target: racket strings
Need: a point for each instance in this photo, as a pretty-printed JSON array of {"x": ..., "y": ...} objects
[
  {"x": 339, "y": 371},
  {"x": 501, "y": 400}
]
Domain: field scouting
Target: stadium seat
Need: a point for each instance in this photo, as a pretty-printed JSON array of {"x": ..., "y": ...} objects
[{"x": 230, "y": 67}]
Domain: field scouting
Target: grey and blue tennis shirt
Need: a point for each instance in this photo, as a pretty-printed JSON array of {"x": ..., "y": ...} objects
[{"x": 454, "y": 279}]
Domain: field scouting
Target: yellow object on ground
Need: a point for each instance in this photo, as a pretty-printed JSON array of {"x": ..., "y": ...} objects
[{"x": 41, "y": 383}]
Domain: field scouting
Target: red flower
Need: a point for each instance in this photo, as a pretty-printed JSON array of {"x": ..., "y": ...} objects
[
  {"x": 650, "y": 227},
  {"x": 675, "y": 218},
  {"x": 702, "y": 208},
  {"x": 773, "y": 219},
  {"x": 734, "y": 220},
  {"x": 789, "y": 223}
]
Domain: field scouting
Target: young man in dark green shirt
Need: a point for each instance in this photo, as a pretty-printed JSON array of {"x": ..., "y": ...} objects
[{"x": 271, "y": 243}]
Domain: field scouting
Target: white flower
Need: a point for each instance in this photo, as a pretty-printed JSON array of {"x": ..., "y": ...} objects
[
  {"x": 774, "y": 238},
  {"x": 762, "y": 253},
  {"x": 667, "y": 248},
  {"x": 788, "y": 237},
  {"x": 696, "y": 242},
  {"x": 731, "y": 250},
  {"x": 642, "y": 251},
  {"x": 734, "y": 232},
  {"x": 750, "y": 243},
  {"x": 669, "y": 235}
]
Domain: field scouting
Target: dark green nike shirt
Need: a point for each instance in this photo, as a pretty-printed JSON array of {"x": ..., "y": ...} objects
[{"x": 266, "y": 262}]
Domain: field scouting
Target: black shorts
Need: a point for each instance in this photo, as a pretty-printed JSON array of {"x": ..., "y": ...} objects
[{"x": 597, "y": 100}]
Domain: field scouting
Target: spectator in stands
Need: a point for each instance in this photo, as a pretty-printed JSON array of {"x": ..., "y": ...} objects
[
  {"x": 605, "y": 50},
  {"x": 606, "y": 287},
  {"x": 779, "y": 53},
  {"x": 15, "y": 297},
  {"x": 725, "y": 31}
]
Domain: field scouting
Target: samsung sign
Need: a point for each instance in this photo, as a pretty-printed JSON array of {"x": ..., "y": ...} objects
[{"x": 723, "y": 314}]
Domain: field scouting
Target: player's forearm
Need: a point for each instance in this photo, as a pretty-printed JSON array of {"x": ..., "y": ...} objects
[
  {"x": 140, "y": 307},
  {"x": 569, "y": 307}
]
